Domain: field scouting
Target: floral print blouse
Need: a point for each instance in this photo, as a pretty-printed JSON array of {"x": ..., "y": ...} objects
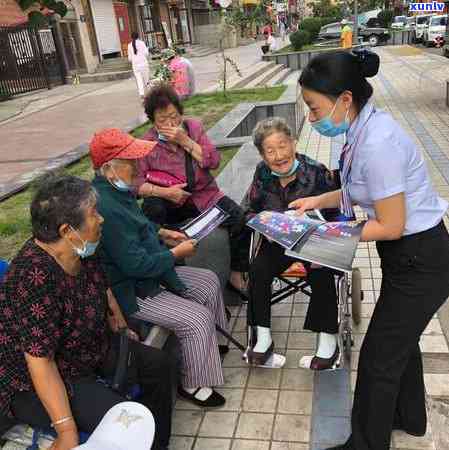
[{"x": 46, "y": 312}]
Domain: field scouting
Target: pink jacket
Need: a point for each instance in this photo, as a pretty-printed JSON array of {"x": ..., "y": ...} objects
[
  {"x": 206, "y": 192},
  {"x": 180, "y": 77}
]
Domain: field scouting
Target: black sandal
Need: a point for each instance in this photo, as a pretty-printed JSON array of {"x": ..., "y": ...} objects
[{"x": 213, "y": 401}]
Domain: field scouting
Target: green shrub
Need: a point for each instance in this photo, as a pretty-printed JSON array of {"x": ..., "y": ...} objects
[
  {"x": 312, "y": 25},
  {"x": 299, "y": 39},
  {"x": 386, "y": 17}
]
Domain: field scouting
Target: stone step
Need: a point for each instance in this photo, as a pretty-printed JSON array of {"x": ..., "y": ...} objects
[
  {"x": 265, "y": 78},
  {"x": 102, "y": 77},
  {"x": 200, "y": 51},
  {"x": 249, "y": 74},
  {"x": 280, "y": 77},
  {"x": 253, "y": 73}
]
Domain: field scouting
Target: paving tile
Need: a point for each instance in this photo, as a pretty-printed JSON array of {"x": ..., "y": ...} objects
[
  {"x": 289, "y": 427},
  {"x": 403, "y": 440},
  {"x": 436, "y": 363},
  {"x": 295, "y": 402},
  {"x": 212, "y": 444},
  {"x": 301, "y": 341},
  {"x": 297, "y": 380},
  {"x": 293, "y": 357},
  {"x": 186, "y": 422},
  {"x": 181, "y": 443},
  {"x": 254, "y": 426},
  {"x": 264, "y": 378},
  {"x": 437, "y": 384},
  {"x": 433, "y": 327},
  {"x": 289, "y": 446},
  {"x": 281, "y": 310},
  {"x": 260, "y": 400},
  {"x": 235, "y": 376},
  {"x": 300, "y": 309},
  {"x": 218, "y": 424},
  {"x": 233, "y": 398},
  {"x": 433, "y": 344},
  {"x": 234, "y": 359},
  {"x": 331, "y": 430},
  {"x": 243, "y": 444},
  {"x": 280, "y": 339}
]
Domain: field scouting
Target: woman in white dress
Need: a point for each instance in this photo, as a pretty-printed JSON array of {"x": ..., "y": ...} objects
[{"x": 138, "y": 56}]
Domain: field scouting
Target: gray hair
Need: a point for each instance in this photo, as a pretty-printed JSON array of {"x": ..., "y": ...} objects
[{"x": 267, "y": 127}]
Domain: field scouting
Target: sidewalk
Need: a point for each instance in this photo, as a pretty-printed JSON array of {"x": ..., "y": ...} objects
[
  {"x": 49, "y": 127},
  {"x": 293, "y": 409}
]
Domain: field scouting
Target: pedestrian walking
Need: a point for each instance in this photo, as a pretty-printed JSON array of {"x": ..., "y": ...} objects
[
  {"x": 138, "y": 56},
  {"x": 346, "y": 34}
]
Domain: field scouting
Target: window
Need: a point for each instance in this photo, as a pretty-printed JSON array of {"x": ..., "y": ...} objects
[
  {"x": 422, "y": 20},
  {"x": 438, "y": 21}
]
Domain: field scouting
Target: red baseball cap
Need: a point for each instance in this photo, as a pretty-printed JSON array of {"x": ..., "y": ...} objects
[{"x": 114, "y": 143}]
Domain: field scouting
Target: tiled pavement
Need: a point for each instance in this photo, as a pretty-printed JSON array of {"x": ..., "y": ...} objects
[{"x": 292, "y": 409}]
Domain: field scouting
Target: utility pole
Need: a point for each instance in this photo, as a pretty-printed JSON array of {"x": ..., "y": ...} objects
[{"x": 355, "y": 32}]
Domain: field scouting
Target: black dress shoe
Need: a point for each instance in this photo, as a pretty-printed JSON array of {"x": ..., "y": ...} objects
[{"x": 213, "y": 401}]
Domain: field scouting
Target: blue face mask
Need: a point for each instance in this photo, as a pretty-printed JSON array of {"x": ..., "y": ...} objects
[
  {"x": 119, "y": 184},
  {"x": 326, "y": 126},
  {"x": 161, "y": 137},
  {"x": 289, "y": 173},
  {"x": 88, "y": 248}
]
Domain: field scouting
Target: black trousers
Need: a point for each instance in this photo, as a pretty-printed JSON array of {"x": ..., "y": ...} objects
[
  {"x": 390, "y": 383},
  {"x": 164, "y": 212},
  {"x": 270, "y": 262},
  {"x": 150, "y": 367}
]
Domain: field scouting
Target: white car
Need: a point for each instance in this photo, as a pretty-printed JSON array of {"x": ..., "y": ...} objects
[
  {"x": 411, "y": 23},
  {"x": 437, "y": 27},
  {"x": 399, "y": 22},
  {"x": 421, "y": 24}
]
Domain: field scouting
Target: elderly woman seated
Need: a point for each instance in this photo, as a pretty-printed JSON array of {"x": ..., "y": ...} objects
[
  {"x": 284, "y": 176},
  {"x": 185, "y": 154},
  {"x": 59, "y": 324},
  {"x": 142, "y": 270}
]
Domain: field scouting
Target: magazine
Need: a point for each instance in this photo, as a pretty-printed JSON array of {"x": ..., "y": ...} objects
[
  {"x": 205, "y": 223},
  {"x": 309, "y": 238},
  {"x": 284, "y": 228}
]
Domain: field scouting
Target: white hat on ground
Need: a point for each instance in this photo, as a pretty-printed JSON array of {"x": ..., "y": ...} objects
[{"x": 126, "y": 426}]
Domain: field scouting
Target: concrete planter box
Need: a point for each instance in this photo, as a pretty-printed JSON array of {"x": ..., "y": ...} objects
[{"x": 296, "y": 60}]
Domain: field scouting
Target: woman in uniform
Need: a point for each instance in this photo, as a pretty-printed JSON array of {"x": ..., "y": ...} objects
[{"x": 384, "y": 173}]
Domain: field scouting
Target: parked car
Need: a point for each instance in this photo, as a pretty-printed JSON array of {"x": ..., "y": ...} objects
[
  {"x": 399, "y": 22},
  {"x": 422, "y": 22},
  {"x": 411, "y": 23},
  {"x": 436, "y": 27},
  {"x": 374, "y": 22},
  {"x": 374, "y": 36}
]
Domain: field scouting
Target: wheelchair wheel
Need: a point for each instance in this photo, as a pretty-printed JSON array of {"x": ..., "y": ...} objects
[{"x": 356, "y": 295}]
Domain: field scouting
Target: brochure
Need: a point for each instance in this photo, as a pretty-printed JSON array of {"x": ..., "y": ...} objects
[
  {"x": 205, "y": 223},
  {"x": 284, "y": 228},
  {"x": 309, "y": 238},
  {"x": 331, "y": 244}
]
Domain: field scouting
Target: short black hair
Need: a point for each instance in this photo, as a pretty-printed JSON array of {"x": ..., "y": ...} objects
[
  {"x": 59, "y": 200},
  {"x": 333, "y": 73},
  {"x": 160, "y": 97}
]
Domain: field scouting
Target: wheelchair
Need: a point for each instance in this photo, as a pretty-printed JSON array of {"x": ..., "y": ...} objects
[{"x": 349, "y": 298}]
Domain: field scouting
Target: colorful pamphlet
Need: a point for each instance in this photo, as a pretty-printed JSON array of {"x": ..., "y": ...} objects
[{"x": 308, "y": 238}]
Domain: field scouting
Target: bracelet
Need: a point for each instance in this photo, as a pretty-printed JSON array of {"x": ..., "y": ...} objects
[{"x": 61, "y": 421}]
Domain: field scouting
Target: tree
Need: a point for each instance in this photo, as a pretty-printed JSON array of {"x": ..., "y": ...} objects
[
  {"x": 325, "y": 8},
  {"x": 40, "y": 11}
]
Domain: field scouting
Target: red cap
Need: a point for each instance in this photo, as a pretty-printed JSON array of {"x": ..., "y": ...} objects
[{"x": 113, "y": 143}]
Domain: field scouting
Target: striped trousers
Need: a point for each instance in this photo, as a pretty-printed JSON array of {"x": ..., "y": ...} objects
[{"x": 192, "y": 318}]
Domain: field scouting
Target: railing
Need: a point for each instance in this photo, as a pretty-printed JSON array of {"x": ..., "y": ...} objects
[{"x": 29, "y": 60}]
